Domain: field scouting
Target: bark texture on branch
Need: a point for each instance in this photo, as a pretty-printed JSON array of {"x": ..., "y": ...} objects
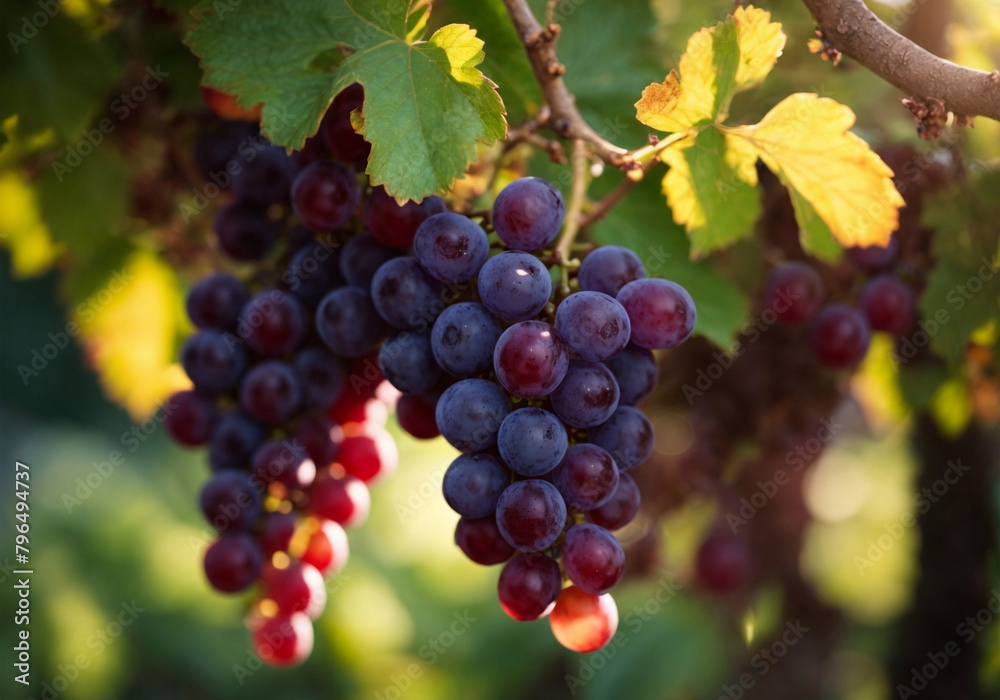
[{"x": 856, "y": 31}]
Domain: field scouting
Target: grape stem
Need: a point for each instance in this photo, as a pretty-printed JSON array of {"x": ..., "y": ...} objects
[{"x": 577, "y": 195}]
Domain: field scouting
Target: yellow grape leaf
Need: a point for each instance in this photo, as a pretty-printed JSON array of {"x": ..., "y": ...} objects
[
  {"x": 22, "y": 229},
  {"x": 129, "y": 329},
  {"x": 734, "y": 55},
  {"x": 805, "y": 140}
]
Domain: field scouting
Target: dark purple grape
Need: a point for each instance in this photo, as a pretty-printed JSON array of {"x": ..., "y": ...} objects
[
  {"x": 312, "y": 272},
  {"x": 282, "y": 462},
  {"x": 393, "y": 225},
  {"x": 608, "y": 269},
  {"x": 264, "y": 180},
  {"x": 361, "y": 258},
  {"x": 215, "y": 301},
  {"x": 530, "y": 359},
  {"x": 234, "y": 439},
  {"x": 473, "y": 484},
  {"x": 627, "y": 436},
  {"x": 406, "y": 296},
  {"x": 480, "y": 540},
  {"x": 874, "y": 258},
  {"x": 214, "y": 360},
  {"x": 276, "y": 532},
  {"x": 245, "y": 234},
  {"x": 528, "y": 214},
  {"x": 531, "y": 515},
  {"x": 621, "y": 508},
  {"x": 636, "y": 370},
  {"x": 343, "y": 142},
  {"x": 224, "y": 146},
  {"x": 532, "y": 441},
  {"x": 320, "y": 376},
  {"x": 233, "y": 562},
  {"x": 587, "y": 397},
  {"x": 312, "y": 150},
  {"x": 270, "y": 392},
  {"x": 230, "y": 502},
  {"x": 594, "y": 325},
  {"x": 839, "y": 336},
  {"x": 662, "y": 313},
  {"x": 793, "y": 292},
  {"x": 347, "y": 322},
  {"x": 272, "y": 323},
  {"x": 514, "y": 286},
  {"x": 451, "y": 248},
  {"x": 723, "y": 563},
  {"x": 889, "y": 304},
  {"x": 593, "y": 557},
  {"x": 587, "y": 477},
  {"x": 407, "y": 362},
  {"x": 463, "y": 339},
  {"x": 320, "y": 438},
  {"x": 190, "y": 418},
  {"x": 528, "y": 586},
  {"x": 325, "y": 195},
  {"x": 416, "y": 415},
  {"x": 469, "y": 414}
]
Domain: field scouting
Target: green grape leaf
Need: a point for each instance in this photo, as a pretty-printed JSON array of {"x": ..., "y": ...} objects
[
  {"x": 814, "y": 234},
  {"x": 426, "y": 104}
]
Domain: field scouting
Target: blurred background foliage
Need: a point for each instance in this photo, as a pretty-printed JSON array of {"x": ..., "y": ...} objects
[{"x": 95, "y": 262}]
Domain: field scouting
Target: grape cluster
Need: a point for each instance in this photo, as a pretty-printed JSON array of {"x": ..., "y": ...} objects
[
  {"x": 536, "y": 385},
  {"x": 287, "y": 395}
]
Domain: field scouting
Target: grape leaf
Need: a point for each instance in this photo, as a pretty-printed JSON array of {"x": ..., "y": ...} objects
[
  {"x": 426, "y": 104},
  {"x": 814, "y": 234},
  {"x": 805, "y": 140},
  {"x": 22, "y": 230},
  {"x": 708, "y": 191}
]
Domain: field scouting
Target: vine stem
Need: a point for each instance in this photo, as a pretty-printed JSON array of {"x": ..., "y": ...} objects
[{"x": 576, "y": 197}]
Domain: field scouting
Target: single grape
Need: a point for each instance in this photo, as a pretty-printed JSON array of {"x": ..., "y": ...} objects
[
  {"x": 215, "y": 301},
  {"x": 327, "y": 549},
  {"x": 793, "y": 292},
  {"x": 530, "y": 359},
  {"x": 582, "y": 622},
  {"x": 190, "y": 418},
  {"x": 627, "y": 437},
  {"x": 282, "y": 462},
  {"x": 233, "y": 562},
  {"x": 415, "y": 414},
  {"x": 608, "y": 269},
  {"x": 593, "y": 557},
  {"x": 480, "y": 540},
  {"x": 594, "y": 325},
  {"x": 229, "y": 501},
  {"x": 463, "y": 339},
  {"x": 312, "y": 272},
  {"x": 296, "y": 588},
  {"x": 587, "y": 477},
  {"x": 469, "y": 414},
  {"x": 722, "y": 564},
  {"x": 531, "y": 515},
  {"x": 473, "y": 484},
  {"x": 312, "y": 150},
  {"x": 343, "y": 142},
  {"x": 636, "y": 372},
  {"x": 264, "y": 179},
  {"x": 528, "y": 586},
  {"x": 234, "y": 439},
  {"x": 321, "y": 377},
  {"x": 361, "y": 258},
  {"x": 214, "y": 360},
  {"x": 270, "y": 392},
  {"x": 276, "y": 532},
  {"x": 514, "y": 286},
  {"x": 874, "y": 258},
  {"x": 321, "y": 439},
  {"x": 450, "y": 247},
  {"x": 272, "y": 323},
  {"x": 408, "y": 363},
  {"x": 245, "y": 234},
  {"x": 346, "y": 320},
  {"x": 889, "y": 304},
  {"x": 662, "y": 313},
  {"x": 344, "y": 500},
  {"x": 358, "y": 408},
  {"x": 528, "y": 214},
  {"x": 406, "y": 296},
  {"x": 370, "y": 456},
  {"x": 221, "y": 145},
  {"x": 325, "y": 195},
  {"x": 284, "y": 640},
  {"x": 588, "y": 396},
  {"x": 532, "y": 441},
  {"x": 393, "y": 225},
  {"x": 621, "y": 508},
  {"x": 839, "y": 336}
]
